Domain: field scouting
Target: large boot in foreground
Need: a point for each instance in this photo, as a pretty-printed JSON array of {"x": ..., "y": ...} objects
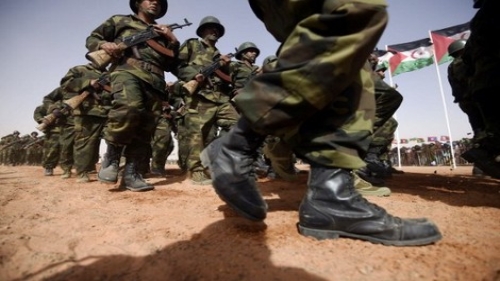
[
  {"x": 230, "y": 160},
  {"x": 110, "y": 164},
  {"x": 332, "y": 208},
  {"x": 132, "y": 179}
]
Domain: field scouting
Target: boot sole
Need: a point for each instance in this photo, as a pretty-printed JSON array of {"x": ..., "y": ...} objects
[{"x": 322, "y": 234}]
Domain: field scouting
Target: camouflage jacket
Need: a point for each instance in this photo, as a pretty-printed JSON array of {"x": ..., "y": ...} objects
[
  {"x": 120, "y": 26},
  {"x": 53, "y": 101},
  {"x": 78, "y": 80},
  {"x": 241, "y": 73},
  {"x": 194, "y": 55}
]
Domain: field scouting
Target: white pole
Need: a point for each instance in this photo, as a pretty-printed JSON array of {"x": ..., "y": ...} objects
[{"x": 453, "y": 163}]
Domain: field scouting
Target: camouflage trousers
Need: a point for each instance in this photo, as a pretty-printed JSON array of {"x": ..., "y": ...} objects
[
  {"x": 383, "y": 137},
  {"x": 132, "y": 119},
  {"x": 202, "y": 121},
  {"x": 88, "y": 132},
  {"x": 162, "y": 144},
  {"x": 319, "y": 97},
  {"x": 67, "y": 142},
  {"x": 51, "y": 149},
  {"x": 386, "y": 105}
]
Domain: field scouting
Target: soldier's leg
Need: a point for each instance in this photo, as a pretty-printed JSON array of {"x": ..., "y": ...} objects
[
  {"x": 67, "y": 142},
  {"x": 87, "y": 140},
  {"x": 160, "y": 145}
]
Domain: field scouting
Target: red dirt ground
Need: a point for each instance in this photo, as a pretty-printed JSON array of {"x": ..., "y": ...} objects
[{"x": 54, "y": 229}]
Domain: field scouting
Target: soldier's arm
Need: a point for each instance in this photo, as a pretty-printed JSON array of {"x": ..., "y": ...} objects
[
  {"x": 186, "y": 71},
  {"x": 103, "y": 34}
]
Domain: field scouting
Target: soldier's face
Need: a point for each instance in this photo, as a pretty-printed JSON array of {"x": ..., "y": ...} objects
[
  {"x": 211, "y": 32},
  {"x": 251, "y": 55},
  {"x": 150, "y": 7}
]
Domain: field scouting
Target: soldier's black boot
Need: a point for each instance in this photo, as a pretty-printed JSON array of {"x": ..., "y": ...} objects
[
  {"x": 333, "y": 208},
  {"x": 230, "y": 160},
  {"x": 108, "y": 173},
  {"x": 132, "y": 179},
  {"x": 374, "y": 164}
]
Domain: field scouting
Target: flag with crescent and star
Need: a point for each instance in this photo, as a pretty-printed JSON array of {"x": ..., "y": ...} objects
[{"x": 410, "y": 56}]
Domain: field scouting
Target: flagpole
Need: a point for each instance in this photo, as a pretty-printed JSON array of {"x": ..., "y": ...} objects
[
  {"x": 395, "y": 117},
  {"x": 453, "y": 162}
]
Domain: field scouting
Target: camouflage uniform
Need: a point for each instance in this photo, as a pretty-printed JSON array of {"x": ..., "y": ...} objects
[
  {"x": 177, "y": 100},
  {"x": 138, "y": 87},
  {"x": 66, "y": 124},
  {"x": 208, "y": 107},
  {"x": 162, "y": 144},
  {"x": 8, "y": 148},
  {"x": 51, "y": 146},
  {"x": 320, "y": 100},
  {"x": 482, "y": 60},
  {"x": 89, "y": 117},
  {"x": 281, "y": 102}
]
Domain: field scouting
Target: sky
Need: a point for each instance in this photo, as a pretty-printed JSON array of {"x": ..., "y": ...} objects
[{"x": 43, "y": 39}]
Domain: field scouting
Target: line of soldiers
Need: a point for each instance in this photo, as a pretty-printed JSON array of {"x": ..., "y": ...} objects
[
  {"x": 18, "y": 150},
  {"x": 138, "y": 114}
]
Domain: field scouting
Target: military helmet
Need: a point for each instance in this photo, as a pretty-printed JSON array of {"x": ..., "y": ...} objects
[
  {"x": 210, "y": 20},
  {"x": 34, "y": 133},
  {"x": 244, "y": 47},
  {"x": 16, "y": 132},
  {"x": 456, "y": 46},
  {"x": 269, "y": 59},
  {"x": 163, "y": 8}
]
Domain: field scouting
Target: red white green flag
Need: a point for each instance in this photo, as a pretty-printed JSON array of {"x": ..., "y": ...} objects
[
  {"x": 442, "y": 38},
  {"x": 410, "y": 56}
]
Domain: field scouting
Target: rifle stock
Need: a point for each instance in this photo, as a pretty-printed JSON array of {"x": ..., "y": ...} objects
[{"x": 70, "y": 104}]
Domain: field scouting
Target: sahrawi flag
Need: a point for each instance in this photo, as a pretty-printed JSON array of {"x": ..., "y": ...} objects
[
  {"x": 410, "y": 56},
  {"x": 444, "y": 37}
]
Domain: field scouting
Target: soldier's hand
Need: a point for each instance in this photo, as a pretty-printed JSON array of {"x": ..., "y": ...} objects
[
  {"x": 225, "y": 59},
  {"x": 166, "y": 32},
  {"x": 199, "y": 78},
  {"x": 111, "y": 49}
]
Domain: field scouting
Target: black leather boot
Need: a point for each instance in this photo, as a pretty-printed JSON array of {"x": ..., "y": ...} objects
[
  {"x": 332, "y": 208},
  {"x": 132, "y": 179},
  {"x": 374, "y": 164},
  {"x": 230, "y": 160},
  {"x": 108, "y": 173}
]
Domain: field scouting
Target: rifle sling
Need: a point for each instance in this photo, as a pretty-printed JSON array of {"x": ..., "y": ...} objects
[
  {"x": 223, "y": 76},
  {"x": 160, "y": 49}
]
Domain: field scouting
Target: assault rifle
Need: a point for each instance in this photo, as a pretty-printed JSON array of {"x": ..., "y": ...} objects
[
  {"x": 70, "y": 104},
  {"x": 192, "y": 85},
  {"x": 101, "y": 59}
]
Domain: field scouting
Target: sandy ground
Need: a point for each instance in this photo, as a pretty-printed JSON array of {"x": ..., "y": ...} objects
[{"x": 54, "y": 229}]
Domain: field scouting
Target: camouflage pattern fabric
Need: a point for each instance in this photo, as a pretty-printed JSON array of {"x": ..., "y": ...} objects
[
  {"x": 67, "y": 144},
  {"x": 162, "y": 144},
  {"x": 387, "y": 102},
  {"x": 208, "y": 108},
  {"x": 137, "y": 92},
  {"x": 459, "y": 82},
  {"x": 51, "y": 146},
  {"x": 241, "y": 73},
  {"x": 89, "y": 118},
  {"x": 482, "y": 57},
  {"x": 319, "y": 100}
]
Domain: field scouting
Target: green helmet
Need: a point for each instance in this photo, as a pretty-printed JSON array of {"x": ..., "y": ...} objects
[
  {"x": 16, "y": 132},
  {"x": 244, "y": 47},
  {"x": 163, "y": 8},
  {"x": 210, "y": 20},
  {"x": 456, "y": 46},
  {"x": 269, "y": 59}
]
